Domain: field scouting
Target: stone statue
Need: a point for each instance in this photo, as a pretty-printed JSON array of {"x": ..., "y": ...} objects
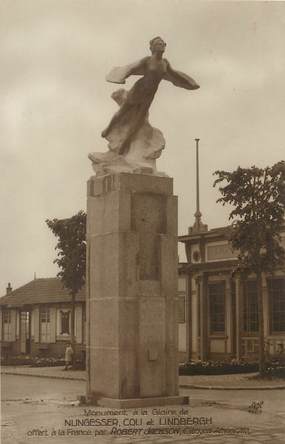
[{"x": 133, "y": 143}]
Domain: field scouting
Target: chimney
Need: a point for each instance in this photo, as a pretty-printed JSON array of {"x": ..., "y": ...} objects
[{"x": 9, "y": 288}]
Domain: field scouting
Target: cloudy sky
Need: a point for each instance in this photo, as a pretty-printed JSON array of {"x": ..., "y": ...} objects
[{"x": 54, "y": 56}]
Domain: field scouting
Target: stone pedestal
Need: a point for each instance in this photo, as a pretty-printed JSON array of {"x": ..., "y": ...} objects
[{"x": 132, "y": 291}]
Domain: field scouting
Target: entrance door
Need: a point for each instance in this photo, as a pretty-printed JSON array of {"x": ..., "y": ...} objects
[{"x": 25, "y": 332}]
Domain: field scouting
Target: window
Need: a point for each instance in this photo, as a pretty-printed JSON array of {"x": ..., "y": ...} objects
[
  {"x": 45, "y": 328},
  {"x": 45, "y": 315},
  {"x": 199, "y": 311},
  {"x": 181, "y": 312},
  {"x": 182, "y": 283},
  {"x": 250, "y": 308},
  {"x": 276, "y": 290},
  {"x": 64, "y": 322},
  {"x": 7, "y": 325},
  {"x": 217, "y": 307},
  {"x": 181, "y": 309},
  {"x": 6, "y": 317},
  {"x": 25, "y": 324},
  {"x": 84, "y": 323}
]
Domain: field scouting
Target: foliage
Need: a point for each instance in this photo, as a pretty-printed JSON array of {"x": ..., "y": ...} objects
[
  {"x": 40, "y": 361},
  {"x": 273, "y": 369},
  {"x": 71, "y": 257},
  {"x": 71, "y": 246},
  {"x": 7, "y": 359},
  {"x": 217, "y": 367},
  {"x": 258, "y": 198},
  {"x": 275, "y": 372}
]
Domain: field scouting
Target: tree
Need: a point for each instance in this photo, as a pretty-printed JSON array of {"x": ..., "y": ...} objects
[
  {"x": 258, "y": 198},
  {"x": 71, "y": 257}
]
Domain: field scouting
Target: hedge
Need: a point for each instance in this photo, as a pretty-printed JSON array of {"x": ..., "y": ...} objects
[{"x": 216, "y": 368}]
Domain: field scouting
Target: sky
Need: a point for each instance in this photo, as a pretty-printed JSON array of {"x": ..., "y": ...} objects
[{"x": 55, "y": 101}]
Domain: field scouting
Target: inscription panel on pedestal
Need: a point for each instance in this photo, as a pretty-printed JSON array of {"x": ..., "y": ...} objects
[{"x": 149, "y": 220}]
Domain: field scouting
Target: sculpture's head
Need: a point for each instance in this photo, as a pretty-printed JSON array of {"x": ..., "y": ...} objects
[{"x": 157, "y": 45}]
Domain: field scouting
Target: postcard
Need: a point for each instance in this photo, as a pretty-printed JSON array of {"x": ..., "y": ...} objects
[{"x": 142, "y": 266}]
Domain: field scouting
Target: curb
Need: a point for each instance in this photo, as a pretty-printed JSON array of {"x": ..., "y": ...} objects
[
  {"x": 219, "y": 387},
  {"x": 68, "y": 378},
  {"x": 183, "y": 386}
]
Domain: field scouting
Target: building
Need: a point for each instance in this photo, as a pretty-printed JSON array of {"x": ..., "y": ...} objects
[
  {"x": 221, "y": 312},
  {"x": 216, "y": 309},
  {"x": 36, "y": 319},
  {"x": 220, "y": 305}
]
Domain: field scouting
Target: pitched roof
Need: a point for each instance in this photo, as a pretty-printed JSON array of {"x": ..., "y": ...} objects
[{"x": 40, "y": 291}]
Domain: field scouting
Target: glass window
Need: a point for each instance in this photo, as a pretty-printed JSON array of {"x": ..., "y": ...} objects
[
  {"x": 45, "y": 315},
  {"x": 25, "y": 324},
  {"x": 6, "y": 317},
  {"x": 276, "y": 291},
  {"x": 216, "y": 293},
  {"x": 250, "y": 308},
  {"x": 181, "y": 309},
  {"x": 64, "y": 322},
  {"x": 45, "y": 325},
  {"x": 182, "y": 283},
  {"x": 7, "y": 326}
]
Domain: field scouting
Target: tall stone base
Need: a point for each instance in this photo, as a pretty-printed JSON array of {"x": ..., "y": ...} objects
[{"x": 132, "y": 291}]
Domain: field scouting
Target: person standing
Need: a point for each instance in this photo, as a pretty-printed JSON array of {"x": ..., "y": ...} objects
[{"x": 68, "y": 356}]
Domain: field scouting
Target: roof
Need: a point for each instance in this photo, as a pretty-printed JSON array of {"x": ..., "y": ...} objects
[
  {"x": 222, "y": 232},
  {"x": 40, "y": 291},
  {"x": 215, "y": 266}
]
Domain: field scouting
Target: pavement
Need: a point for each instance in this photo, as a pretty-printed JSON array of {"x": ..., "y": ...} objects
[
  {"x": 38, "y": 410},
  {"x": 246, "y": 381}
]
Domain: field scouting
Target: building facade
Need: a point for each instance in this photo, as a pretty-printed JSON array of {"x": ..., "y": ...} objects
[
  {"x": 216, "y": 308},
  {"x": 221, "y": 310},
  {"x": 35, "y": 320}
]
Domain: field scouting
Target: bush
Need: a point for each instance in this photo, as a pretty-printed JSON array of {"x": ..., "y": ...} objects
[
  {"x": 217, "y": 367},
  {"x": 16, "y": 360},
  {"x": 78, "y": 364},
  {"x": 275, "y": 369},
  {"x": 47, "y": 362},
  {"x": 41, "y": 361}
]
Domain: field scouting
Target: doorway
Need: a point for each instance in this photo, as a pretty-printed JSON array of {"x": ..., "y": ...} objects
[{"x": 25, "y": 332}]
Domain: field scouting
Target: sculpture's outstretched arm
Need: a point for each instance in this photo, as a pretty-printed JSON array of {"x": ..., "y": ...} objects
[
  {"x": 179, "y": 78},
  {"x": 120, "y": 73}
]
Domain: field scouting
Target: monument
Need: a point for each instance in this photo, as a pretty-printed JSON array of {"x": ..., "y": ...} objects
[{"x": 132, "y": 251}]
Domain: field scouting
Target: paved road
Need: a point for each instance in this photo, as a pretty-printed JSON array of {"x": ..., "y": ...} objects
[
  {"x": 243, "y": 381},
  {"x": 31, "y": 405}
]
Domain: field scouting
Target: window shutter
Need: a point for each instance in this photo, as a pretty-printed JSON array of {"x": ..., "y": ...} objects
[
  {"x": 52, "y": 324},
  {"x": 78, "y": 324},
  {"x": 17, "y": 324},
  {"x": 1, "y": 324},
  {"x": 13, "y": 325},
  {"x": 36, "y": 318},
  {"x": 32, "y": 324}
]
